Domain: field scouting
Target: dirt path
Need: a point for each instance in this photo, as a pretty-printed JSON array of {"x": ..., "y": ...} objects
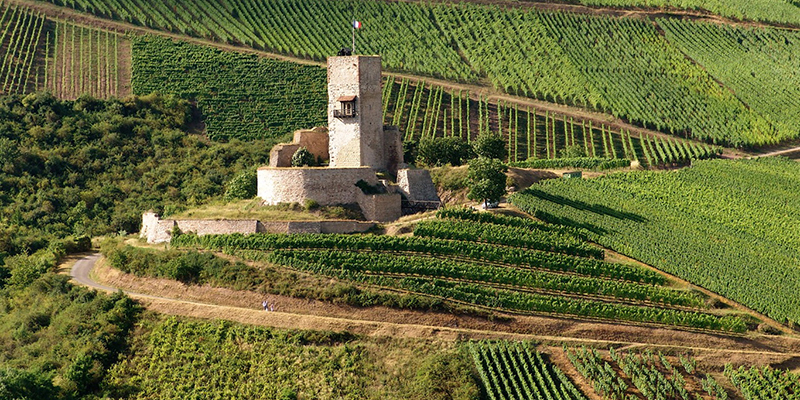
[{"x": 174, "y": 298}]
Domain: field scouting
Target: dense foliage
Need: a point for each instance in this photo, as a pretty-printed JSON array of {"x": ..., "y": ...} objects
[
  {"x": 515, "y": 370},
  {"x": 92, "y": 167},
  {"x": 726, "y": 226},
  {"x": 486, "y": 180},
  {"x": 57, "y": 340},
  {"x": 240, "y": 95},
  {"x": 179, "y": 359}
]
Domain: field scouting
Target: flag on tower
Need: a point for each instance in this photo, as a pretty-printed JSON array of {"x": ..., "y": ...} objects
[{"x": 356, "y": 25}]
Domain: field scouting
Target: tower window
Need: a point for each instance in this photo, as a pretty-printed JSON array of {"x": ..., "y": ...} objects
[{"x": 347, "y": 107}]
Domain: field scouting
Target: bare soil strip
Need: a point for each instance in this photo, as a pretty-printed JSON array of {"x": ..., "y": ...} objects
[{"x": 174, "y": 298}]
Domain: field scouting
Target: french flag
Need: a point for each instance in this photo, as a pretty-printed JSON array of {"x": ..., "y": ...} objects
[{"x": 356, "y": 25}]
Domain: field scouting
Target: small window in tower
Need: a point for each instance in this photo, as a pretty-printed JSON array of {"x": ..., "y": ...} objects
[{"x": 347, "y": 107}]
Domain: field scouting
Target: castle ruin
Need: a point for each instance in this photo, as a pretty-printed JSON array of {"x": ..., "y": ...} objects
[{"x": 356, "y": 146}]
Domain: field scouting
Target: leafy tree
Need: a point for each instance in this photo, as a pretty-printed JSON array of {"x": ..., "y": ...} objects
[
  {"x": 442, "y": 151},
  {"x": 242, "y": 186},
  {"x": 303, "y": 158},
  {"x": 17, "y": 384},
  {"x": 487, "y": 179},
  {"x": 490, "y": 145},
  {"x": 574, "y": 151}
]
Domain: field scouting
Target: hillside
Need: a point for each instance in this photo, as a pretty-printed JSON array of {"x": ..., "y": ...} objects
[
  {"x": 582, "y": 60},
  {"x": 673, "y": 279}
]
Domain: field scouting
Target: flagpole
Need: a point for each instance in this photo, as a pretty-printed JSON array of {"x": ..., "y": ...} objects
[{"x": 353, "y": 25}]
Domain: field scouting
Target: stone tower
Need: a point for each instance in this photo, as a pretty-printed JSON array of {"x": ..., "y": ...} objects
[{"x": 355, "y": 117}]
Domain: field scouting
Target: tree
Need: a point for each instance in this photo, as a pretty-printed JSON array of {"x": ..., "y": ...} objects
[
  {"x": 242, "y": 186},
  {"x": 487, "y": 179},
  {"x": 441, "y": 151},
  {"x": 489, "y": 145}
]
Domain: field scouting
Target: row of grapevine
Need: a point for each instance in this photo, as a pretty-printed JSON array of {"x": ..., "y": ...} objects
[
  {"x": 652, "y": 375},
  {"x": 436, "y": 247},
  {"x": 240, "y": 96},
  {"x": 574, "y": 59},
  {"x": 20, "y": 43},
  {"x": 764, "y": 383},
  {"x": 735, "y": 219},
  {"x": 553, "y": 242},
  {"x": 426, "y": 111},
  {"x": 759, "y": 65},
  {"x": 85, "y": 61},
  {"x": 515, "y": 370}
]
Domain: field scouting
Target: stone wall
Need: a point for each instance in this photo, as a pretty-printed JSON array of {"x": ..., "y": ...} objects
[
  {"x": 156, "y": 230},
  {"x": 281, "y": 155},
  {"x": 384, "y": 207},
  {"x": 315, "y": 140},
  {"x": 327, "y": 186},
  {"x": 417, "y": 185}
]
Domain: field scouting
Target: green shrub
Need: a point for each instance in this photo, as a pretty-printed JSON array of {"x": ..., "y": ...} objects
[
  {"x": 242, "y": 186},
  {"x": 303, "y": 158}
]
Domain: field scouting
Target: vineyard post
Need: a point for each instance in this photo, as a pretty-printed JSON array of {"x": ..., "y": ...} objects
[
  {"x": 547, "y": 132},
  {"x": 529, "y": 132}
]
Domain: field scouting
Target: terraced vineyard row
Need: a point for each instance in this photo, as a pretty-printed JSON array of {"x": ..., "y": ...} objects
[
  {"x": 424, "y": 111},
  {"x": 575, "y": 59},
  {"x": 66, "y": 59},
  {"x": 20, "y": 41},
  {"x": 726, "y": 226},
  {"x": 515, "y": 370},
  {"x": 764, "y": 383},
  {"x": 494, "y": 276}
]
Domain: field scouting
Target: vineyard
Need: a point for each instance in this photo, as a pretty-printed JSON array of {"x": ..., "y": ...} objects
[
  {"x": 458, "y": 259},
  {"x": 68, "y": 60},
  {"x": 645, "y": 375},
  {"x": 515, "y": 370},
  {"x": 726, "y": 226},
  {"x": 180, "y": 359},
  {"x": 424, "y": 111},
  {"x": 85, "y": 61},
  {"x": 573, "y": 59},
  {"x": 776, "y": 11},
  {"x": 758, "y": 65},
  {"x": 241, "y": 96},
  {"x": 764, "y": 383}
]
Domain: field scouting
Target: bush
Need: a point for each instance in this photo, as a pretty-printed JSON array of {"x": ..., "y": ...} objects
[
  {"x": 490, "y": 145},
  {"x": 303, "y": 158},
  {"x": 582, "y": 162},
  {"x": 440, "y": 151},
  {"x": 242, "y": 186},
  {"x": 23, "y": 385}
]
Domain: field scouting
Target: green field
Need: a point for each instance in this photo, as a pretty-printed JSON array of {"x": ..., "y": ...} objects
[{"x": 725, "y": 225}]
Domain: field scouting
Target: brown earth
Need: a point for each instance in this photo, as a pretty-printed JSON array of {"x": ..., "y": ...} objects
[{"x": 210, "y": 302}]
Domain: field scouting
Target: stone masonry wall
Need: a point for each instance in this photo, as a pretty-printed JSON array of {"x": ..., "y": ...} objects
[
  {"x": 327, "y": 186},
  {"x": 156, "y": 230},
  {"x": 383, "y": 207}
]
